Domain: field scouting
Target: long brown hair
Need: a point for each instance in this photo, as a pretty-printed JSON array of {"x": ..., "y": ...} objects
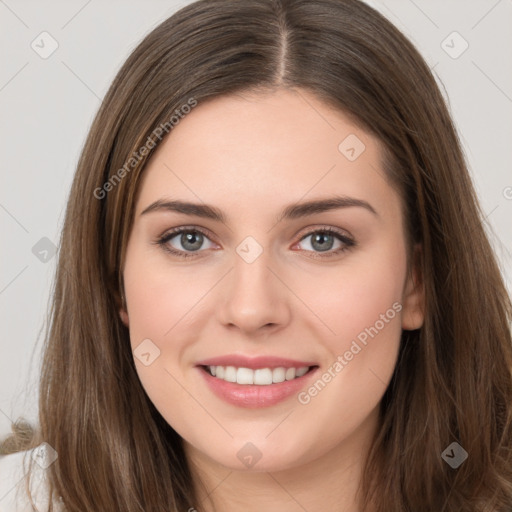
[{"x": 452, "y": 381}]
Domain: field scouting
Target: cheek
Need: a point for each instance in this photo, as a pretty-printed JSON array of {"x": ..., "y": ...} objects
[
  {"x": 159, "y": 301},
  {"x": 362, "y": 307},
  {"x": 365, "y": 292},
  {"x": 161, "y": 305},
  {"x": 164, "y": 306},
  {"x": 359, "y": 301}
]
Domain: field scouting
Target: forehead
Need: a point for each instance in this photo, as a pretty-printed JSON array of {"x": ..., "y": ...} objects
[{"x": 261, "y": 149}]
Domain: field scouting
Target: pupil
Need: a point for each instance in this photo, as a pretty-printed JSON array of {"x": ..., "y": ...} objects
[
  {"x": 188, "y": 239},
  {"x": 321, "y": 237}
]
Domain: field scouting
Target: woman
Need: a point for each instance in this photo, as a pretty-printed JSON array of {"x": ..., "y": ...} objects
[{"x": 274, "y": 288}]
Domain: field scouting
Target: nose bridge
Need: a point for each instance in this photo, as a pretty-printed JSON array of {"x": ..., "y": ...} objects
[
  {"x": 254, "y": 297},
  {"x": 252, "y": 275}
]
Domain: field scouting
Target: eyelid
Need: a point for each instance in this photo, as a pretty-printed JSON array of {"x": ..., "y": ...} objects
[
  {"x": 170, "y": 233},
  {"x": 309, "y": 230}
]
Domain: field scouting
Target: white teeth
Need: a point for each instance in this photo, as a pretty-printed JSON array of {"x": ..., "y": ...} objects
[
  {"x": 263, "y": 376},
  {"x": 278, "y": 375},
  {"x": 260, "y": 377},
  {"x": 301, "y": 371},
  {"x": 244, "y": 376},
  {"x": 290, "y": 374},
  {"x": 230, "y": 374}
]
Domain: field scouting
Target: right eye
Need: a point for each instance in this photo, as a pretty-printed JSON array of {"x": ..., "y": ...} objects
[{"x": 190, "y": 239}]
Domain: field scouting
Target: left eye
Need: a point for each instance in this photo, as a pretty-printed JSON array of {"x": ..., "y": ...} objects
[{"x": 323, "y": 241}]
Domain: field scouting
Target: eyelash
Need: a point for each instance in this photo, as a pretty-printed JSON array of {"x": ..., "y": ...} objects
[{"x": 169, "y": 235}]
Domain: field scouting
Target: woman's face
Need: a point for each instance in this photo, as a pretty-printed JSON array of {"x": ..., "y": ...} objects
[{"x": 261, "y": 287}]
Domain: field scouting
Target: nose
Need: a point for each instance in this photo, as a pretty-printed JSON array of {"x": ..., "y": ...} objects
[{"x": 254, "y": 299}]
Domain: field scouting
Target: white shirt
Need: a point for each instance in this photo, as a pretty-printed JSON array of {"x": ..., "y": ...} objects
[{"x": 13, "y": 473}]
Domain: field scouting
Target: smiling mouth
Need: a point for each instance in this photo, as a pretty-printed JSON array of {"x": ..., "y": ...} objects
[{"x": 259, "y": 376}]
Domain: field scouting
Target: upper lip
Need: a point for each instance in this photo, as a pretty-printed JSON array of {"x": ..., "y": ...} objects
[{"x": 240, "y": 361}]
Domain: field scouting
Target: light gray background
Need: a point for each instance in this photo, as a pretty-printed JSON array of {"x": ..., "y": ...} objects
[{"x": 47, "y": 106}]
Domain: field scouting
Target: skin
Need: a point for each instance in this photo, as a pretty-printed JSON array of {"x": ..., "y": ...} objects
[{"x": 251, "y": 156}]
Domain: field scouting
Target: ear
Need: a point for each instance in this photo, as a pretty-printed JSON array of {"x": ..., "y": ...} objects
[
  {"x": 124, "y": 317},
  {"x": 121, "y": 304},
  {"x": 413, "y": 301}
]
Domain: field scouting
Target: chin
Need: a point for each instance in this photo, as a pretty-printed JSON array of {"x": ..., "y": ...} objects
[{"x": 255, "y": 456}]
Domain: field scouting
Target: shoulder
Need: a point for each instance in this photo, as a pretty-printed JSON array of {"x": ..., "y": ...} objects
[{"x": 14, "y": 469}]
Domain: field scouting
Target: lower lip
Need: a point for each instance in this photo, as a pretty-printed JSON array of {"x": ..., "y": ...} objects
[{"x": 254, "y": 396}]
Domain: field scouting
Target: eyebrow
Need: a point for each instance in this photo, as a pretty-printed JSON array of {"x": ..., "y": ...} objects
[{"x": 293, "y": 211}]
